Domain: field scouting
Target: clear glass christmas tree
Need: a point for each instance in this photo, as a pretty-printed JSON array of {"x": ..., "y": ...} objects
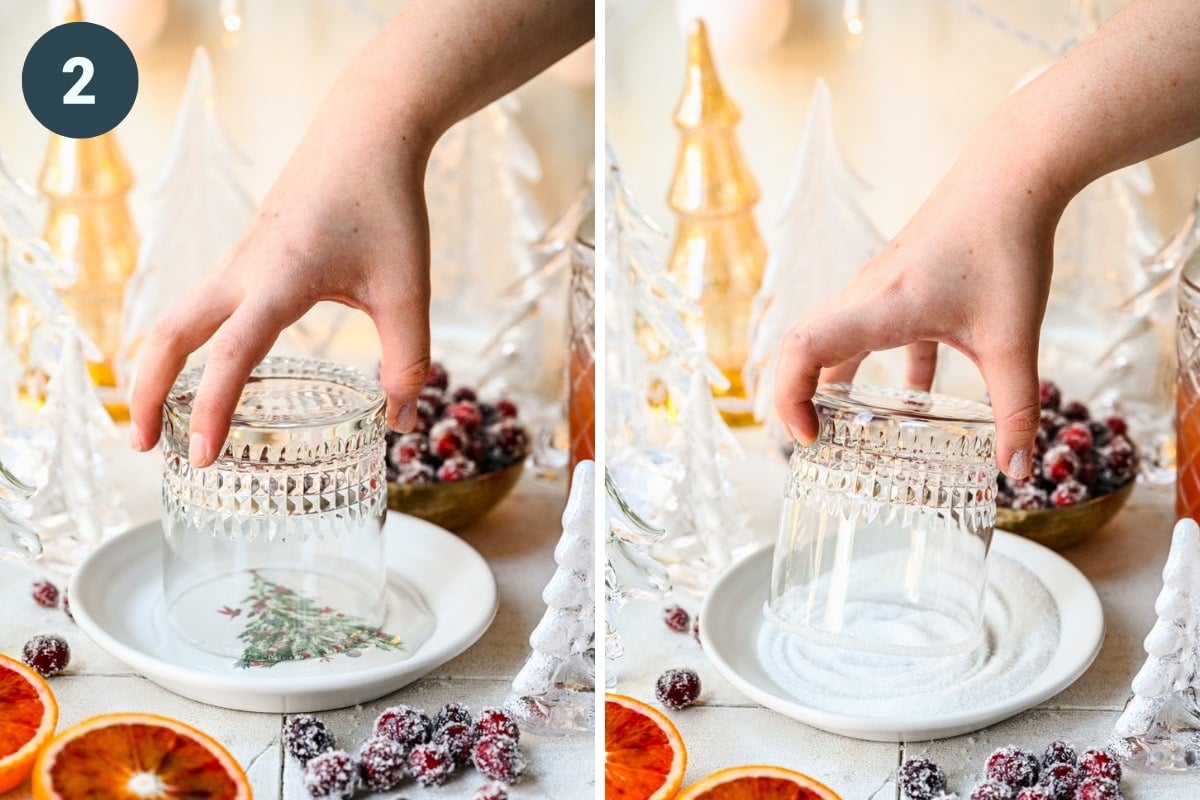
[
  {"x": 200, "y": 211},
  {"x": 555, "y": 691},
  {"x": 18, "y": 539},
  {"x": 821, "y": 239},
  {"x": 77, "y": 507},
  {"x": 1160, "y": 727}
]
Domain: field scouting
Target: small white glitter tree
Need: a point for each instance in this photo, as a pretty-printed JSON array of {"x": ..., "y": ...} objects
[
  {"x": 200, "y": 211},
  {"x": 1160, "y": 727},
  {"x": 555, "y": 691},
  {"x": 78, "y": 507},
  {"x": 821, "y": 239}
]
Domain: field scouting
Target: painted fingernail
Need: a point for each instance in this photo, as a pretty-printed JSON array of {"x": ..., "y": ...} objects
[
  {"x": 197, "y": 449},
  {"x": 406, "y": 420},
  {"x": 135, "y": 437},
  {"x": 1018, "y": 464}
]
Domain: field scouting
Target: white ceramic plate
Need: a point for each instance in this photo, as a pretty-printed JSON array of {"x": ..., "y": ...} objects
[
  {"x": 732, "y": 618},
  {"x": 116, "y": 599}
]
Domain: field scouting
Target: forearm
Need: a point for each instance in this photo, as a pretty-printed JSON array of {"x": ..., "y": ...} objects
[
  {"x": 1128, "y": 92},
  {"x": 438, "y": 61}
]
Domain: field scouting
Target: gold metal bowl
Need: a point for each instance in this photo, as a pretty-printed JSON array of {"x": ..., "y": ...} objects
[
  {"x": 455, "y": 505},
  {"x": 1057, "y": 528}
]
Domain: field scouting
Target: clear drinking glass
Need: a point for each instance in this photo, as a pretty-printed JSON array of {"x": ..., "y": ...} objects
[
  {"x": 886, "y": 524},
  {"x": 581, "y": 373},
  {"x": 276, "y": 551}
]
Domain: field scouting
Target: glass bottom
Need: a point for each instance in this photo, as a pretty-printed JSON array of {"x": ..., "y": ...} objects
[
  {"x": 1171, "y": 738},
  {"x": 271, "y": 615}
]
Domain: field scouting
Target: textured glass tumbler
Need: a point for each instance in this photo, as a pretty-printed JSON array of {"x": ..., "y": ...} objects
[
  {"x": 1187, "y": 392},
  {"x": 581, "y": 374},
  {"x": 280, "y": 541},
  {"x": 886, "y": 524}
]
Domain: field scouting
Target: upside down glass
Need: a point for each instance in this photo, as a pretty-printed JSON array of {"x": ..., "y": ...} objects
[
  {"x": 886, "y": 524},
  {"x": 287, "y": 524}
]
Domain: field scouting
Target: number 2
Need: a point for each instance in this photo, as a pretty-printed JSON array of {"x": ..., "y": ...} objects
[{"x": 86, "y": 70}]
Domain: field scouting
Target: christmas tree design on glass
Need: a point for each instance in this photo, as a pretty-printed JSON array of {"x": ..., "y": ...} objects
[{"x": 284, "y": 625}]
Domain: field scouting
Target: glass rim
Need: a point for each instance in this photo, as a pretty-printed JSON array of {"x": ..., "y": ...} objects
[
  {"x": 904, "y": 405},
  {"x": 371, "y": 396}
]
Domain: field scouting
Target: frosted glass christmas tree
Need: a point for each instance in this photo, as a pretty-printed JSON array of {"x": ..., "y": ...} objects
[
  {"x": 555, "y": 691},
  {"x": 483, "y": 226},
  {"x": 200, "y": 211},
  {"x": 706, "y": 528},
  {"x": 821, "y": 239},
  {"x": 77, "y": 507},
  {"x": 1160, "y": 727}
]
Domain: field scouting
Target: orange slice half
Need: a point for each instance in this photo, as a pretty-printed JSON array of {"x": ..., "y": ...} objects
[
  {"x": 755, "y": 782},
  {"x": 28, "y": 714},
  {"x": 137, "y": 757},
  {"x": 644, "y": 756}
]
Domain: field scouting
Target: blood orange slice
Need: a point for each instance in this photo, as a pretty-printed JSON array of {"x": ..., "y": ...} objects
[
  {"x": 644, "y": 756},
  {"x": 137, "y": 757},
  {"x": 758, "y": 783},
  {"x": 29, "y": 714}
]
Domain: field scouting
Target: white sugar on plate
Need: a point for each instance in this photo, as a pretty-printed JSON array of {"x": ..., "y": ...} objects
[{"x": 1021, "y": 628}]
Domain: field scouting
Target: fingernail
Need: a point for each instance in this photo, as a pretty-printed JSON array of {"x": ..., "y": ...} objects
[
  {"x": 406, "y": 420},
  {"x": 197, "y": 450},
  {"x": 135, "y": 437},
  {"x": 1018, "y": 464}
]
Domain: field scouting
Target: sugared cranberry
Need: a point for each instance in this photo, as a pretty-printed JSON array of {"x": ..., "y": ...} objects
[
  {"x": 677, "y": 688},
  {"x": 1075, "y": 436},
  {"x": 1060, "y": 463},
  {"x": 677, "y": 619},
  {"x": 1099, "y": 789},
  {"x": 1029, "y": 497},
  {"x": 404, "y": 724},
  {"x": 451, "y": 713},
  {"x": 498, "y": 758},
  {"x": 438, "y": 377},
  {"x": 447, "y": 438},
  {"x": 1049, "y": 395},
  {"x": 306, "y": 737},
  {"x": 409, "y": 447},
  {"x": 466, "y": 414},
  {"x": 921, "y": 779},
  {"x": 45, "y": 594},
  {"x": 430, "y": 764},
  {"x": 1100, "y": 432},
  {"x": 1034, "y": 793},
  {"x": 458, "y": 738},
  {"x": 506, "y": 408},
  {"x": 383, "y": 763},
  {"x": 464, "y": 393},
  {"x": 1119, "y": 456},
  {"x": 1013, "y": 766},
  {"x": 47, "y": 654},
  {"x": 1050, "y": 423},
  {"x": 457, "y": 468},
  {"x": 1068, "y": 493},
  {"x": 1076, "y": 411},
  {"x": 1061, "y": 781},
  {"x": 1100, "y": 764},
  {"x": 332, "y": 774},
  {"x": 415, "y": 473},
  {"x": 426, "y": 415},
  {"x": 492, "y": 790},
  {"x": 992, "y": 790},
  {"x": 509, "y": 441},
  {"x": 1059, "y": 752},
  {"x": 436, "y": 399},
  {"x": 494, "y": 722},
  {"x": 1117, "y": 425}
]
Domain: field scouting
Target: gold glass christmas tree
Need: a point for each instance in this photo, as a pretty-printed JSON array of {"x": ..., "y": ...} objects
[
  {"x": 718, "y": 256},
  {"x": 88, "y": 225}
]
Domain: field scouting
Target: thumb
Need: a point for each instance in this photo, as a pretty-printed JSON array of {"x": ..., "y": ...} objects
[
  {"x": 404, "y": 362},
  {"x": 1012, "y": 385}
]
